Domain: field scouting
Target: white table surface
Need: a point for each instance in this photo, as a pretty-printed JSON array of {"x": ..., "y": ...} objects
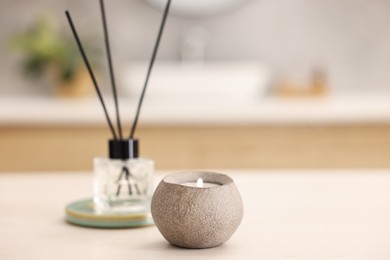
[{"x": 309, "y": 214}]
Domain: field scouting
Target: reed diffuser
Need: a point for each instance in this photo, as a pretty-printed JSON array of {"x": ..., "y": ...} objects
[{"x": 123, "y": 181}]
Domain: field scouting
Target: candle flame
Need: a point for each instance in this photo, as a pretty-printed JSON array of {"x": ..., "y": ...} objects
[{"x": 199, "y": 183}]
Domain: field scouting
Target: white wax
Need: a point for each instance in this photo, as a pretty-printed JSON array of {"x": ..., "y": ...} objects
[{"x": 200, "y": 184}]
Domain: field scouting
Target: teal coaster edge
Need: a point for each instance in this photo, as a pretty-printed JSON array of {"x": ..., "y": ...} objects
[{"x": 81, "y": 213}]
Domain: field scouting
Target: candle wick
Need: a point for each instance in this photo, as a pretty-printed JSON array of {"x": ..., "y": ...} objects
[{"x": 199, "y": 183}]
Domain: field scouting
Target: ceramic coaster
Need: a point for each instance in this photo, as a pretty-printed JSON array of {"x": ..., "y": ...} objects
[{"x": 82, "y": 213}]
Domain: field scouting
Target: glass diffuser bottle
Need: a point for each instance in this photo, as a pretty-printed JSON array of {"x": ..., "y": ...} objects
[{"x": 124, "y": 181}]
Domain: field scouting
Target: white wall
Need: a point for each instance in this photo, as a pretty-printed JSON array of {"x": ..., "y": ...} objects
[{"x": 349, "y": 38}]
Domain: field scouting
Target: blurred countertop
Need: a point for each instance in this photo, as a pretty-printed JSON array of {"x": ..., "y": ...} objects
[{"x": 197, "y": 111}]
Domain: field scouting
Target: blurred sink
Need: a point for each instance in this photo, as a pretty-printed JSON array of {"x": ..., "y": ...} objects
[{"x": 213, "y": 79}]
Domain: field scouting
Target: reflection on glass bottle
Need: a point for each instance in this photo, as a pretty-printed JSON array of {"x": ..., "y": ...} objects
[{"x": 124, "y": 179}]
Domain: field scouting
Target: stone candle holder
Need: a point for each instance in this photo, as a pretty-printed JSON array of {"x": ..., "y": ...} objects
[{"x": 197, "y": 217}]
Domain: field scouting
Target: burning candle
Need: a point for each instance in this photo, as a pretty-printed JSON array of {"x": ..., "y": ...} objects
[
  {"x": 200, "y": 184},
  {"x": 197, "y": 209}
]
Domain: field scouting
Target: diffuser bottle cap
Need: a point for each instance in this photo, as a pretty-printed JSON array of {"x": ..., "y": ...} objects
[{"x": 123, "y": 149}]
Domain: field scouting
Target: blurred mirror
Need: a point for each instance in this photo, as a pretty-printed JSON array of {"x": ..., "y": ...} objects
[{"x": 199, "y": 8}]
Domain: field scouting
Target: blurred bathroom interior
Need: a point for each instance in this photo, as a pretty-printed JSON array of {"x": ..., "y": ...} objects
[{"x": 236, "y": 83}]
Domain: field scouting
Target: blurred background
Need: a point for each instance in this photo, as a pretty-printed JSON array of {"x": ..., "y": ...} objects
[{"x": 237, "y": 83}]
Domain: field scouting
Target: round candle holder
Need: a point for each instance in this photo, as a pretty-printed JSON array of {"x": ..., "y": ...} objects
[{"x": 197, "y": 217}]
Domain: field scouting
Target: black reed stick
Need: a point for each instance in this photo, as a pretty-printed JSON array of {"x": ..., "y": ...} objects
[
  {"x": 87, "y": 64},
  {"x": 134, "y": 126},
  {"x": 111, "y": 68}
]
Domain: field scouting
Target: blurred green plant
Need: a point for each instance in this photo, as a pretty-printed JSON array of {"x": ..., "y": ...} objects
[{"x": 45, "y": 47}]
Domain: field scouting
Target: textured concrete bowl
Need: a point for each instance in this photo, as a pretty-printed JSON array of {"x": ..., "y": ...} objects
[{"x": 194, "y": 217}]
